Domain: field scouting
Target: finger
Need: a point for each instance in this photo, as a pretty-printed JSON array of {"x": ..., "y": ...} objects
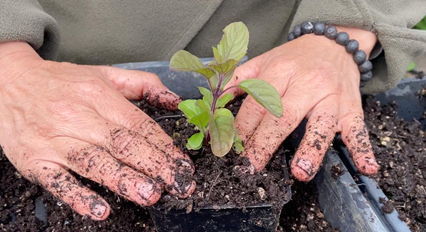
[
  {"x": 151, "y": 151},
  {"x": 270, "y": 133},
  {"x": 355, "y": 136},
  {"x": 95, "y": 163},
  {"x": 320, "y": 131},
  {"x": 64, "y": 186},
  {"x": 251, "y": 113},
  {"x": 135, "y": 85}
]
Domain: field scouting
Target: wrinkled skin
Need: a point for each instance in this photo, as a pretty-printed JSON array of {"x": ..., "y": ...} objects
[
  {"x": 57, "y": 117},
  {"x": 317, "y": 79}
]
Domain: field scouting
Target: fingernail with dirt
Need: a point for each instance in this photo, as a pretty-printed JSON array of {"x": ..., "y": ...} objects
[
  {"x": 304, "y": 170},
  {"x": 98, "y": 208},
  {"x": 184, "y": 184}
]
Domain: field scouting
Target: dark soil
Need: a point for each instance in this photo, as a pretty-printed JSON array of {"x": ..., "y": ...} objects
[
  {"x": 21, "y": 200},
  {"x": 400, "y": 149}
]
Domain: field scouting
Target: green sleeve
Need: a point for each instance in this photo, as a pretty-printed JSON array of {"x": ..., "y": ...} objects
[
  {"x": 25, "y": 20},
  {"x": 391, "y": 20}
]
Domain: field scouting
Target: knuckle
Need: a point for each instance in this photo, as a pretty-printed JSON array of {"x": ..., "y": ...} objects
[
  {"x": 123, "y": 142},
  {"x": 290, "y": 116}
]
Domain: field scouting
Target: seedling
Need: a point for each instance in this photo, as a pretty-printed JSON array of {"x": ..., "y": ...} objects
[{"x": 214, "y": 122}]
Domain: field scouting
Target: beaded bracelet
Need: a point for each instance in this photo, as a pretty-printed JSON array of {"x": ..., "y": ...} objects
[{"x": 342, "y": 38}]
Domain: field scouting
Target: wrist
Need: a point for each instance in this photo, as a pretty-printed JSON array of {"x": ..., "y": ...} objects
[
  {"x": 367, "y": 39},
  {"x": 15, "y": 59}
]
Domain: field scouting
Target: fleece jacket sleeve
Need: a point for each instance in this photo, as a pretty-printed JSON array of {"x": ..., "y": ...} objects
[
  {"x": 390, "y": 20},
  {"x": 25, "y": 20}
]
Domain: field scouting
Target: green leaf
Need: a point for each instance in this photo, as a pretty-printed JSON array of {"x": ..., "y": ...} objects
[
  {"x": 217, "y": 56},
  {"x": 226, "y": 67},
  {"x": 207, "y": 95},
  {"x": 238, "y": 143},
  {"x": 189, "y": 108},
  {"x": 195, "y": 141},
  {"x": 227, "y": 78},
  {"x": 265, "y": 94},
  {"x": 411, "y": 66},
  {"x": 203, "y": 105},
  {"x": 221, "y": 133},
  {"x": 222, "y": 101},
  {"x": 223, "y": 112},
  {"x": 207, "y": 72},
  {"x": 184, "y": 61},
  {"x": 233, "y": 44},
  {"x": 214, "y": 80},
  {"x": 200, "y": 120}
]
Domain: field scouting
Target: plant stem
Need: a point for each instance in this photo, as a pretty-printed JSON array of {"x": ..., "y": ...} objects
[
  {"x": 234, "y": 86},
  {"x": 217, "y": 93}
]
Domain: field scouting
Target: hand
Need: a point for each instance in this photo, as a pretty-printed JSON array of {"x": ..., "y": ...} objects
[
  {"x": 319, "y": 80},
  {"x": 57, "y": 117}
]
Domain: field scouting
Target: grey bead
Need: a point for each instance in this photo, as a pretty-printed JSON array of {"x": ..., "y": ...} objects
[
  {"x": 366, "y": 76},
  {"x": 342, "y": 38},
  {"x": 307, "y": 27},
  {"x": 360, "y": 57},
  {"x": 362, "y": 84},
  {"x": 352, "y": 46},
  {"x": 365, "y": 67},
  {"x": 319, "y": 28},
  {"x": 297, "y": 31},
  {"x": 331, "y": 32},
  {"x": 290, "y": 36}
]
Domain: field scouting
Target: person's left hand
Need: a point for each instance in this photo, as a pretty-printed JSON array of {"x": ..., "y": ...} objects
[{"x": 316, "y": 79}]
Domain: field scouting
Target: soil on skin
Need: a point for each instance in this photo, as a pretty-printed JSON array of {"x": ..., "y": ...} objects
[
  {"x": 400, "y": 149},
  {"x": 19, "y": 197}
]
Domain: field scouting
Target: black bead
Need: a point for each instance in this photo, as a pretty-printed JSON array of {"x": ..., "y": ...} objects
[
  {"x": 366, "y": 76},
  {"x": 290, "y": 37},
  {"x": 352, "y": 46},
  {"x": 297, "y": 31},
  {"x": 342, "y": 38},
  {"x": 319, "y": 28},
  {"x": 331, "y": 32},
  {"x": 365, "y": 67},
  {"x": 307, "y": 28},
  {"x": 360, "y": 57}
]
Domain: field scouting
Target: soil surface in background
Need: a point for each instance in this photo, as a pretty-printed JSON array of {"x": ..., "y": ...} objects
[
  {"x": 400, "y": 149},
  {"x": 20, "y": 200}
]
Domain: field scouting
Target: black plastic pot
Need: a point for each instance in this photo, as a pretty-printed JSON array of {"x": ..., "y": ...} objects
[
  {"x": 354, "y": 205},
  {"x": 348, "y": 205},
  {"x": 262, "y": 217}
]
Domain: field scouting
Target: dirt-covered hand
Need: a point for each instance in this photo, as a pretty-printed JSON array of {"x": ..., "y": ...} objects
[
  {"x": 58, "y": 118},
  {"x": 318, "y": 80}
]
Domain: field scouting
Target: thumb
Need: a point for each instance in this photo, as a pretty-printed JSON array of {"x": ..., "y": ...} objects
[
  {"x": 248, "y": 70},
  {"x": 135, "y": 85}
]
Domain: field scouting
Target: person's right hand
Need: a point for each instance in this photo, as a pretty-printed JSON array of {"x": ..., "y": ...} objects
[{"x": 56, "y": 117}]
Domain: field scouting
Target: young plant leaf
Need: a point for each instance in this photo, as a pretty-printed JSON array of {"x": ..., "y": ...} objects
[
  {"x": 184, "y": 61},
  {"x": 222, "y": 131},
  {"x": 189, "y": 108},
  {"x": 225, "y": 67},
  {"x": 207, "y": 95},
  {"x": 195, "y": 141},
  {"x": 207, "y": 72},
  {"x": 238, "y": 143},
  {"x": 227, "y": 78},
  {"x": 203, "y": 105},
  {"x": 222, "y": 101},
  {"x": 223, "y": 112},
  {"x": 265, "y": 94},
  {"x": 233, "y": 44},
  {"x": 200, "y": 120}
]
